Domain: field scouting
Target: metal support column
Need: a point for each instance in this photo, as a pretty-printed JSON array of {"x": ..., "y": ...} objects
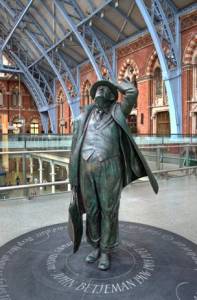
[{"x": 157, "y": 16}]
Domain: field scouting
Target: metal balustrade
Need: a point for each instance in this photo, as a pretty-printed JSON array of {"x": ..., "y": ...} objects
[{"x": 167, "y": 156}]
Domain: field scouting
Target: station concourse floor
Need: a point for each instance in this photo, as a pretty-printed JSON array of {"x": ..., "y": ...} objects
[{"x": 173, "y": 209}]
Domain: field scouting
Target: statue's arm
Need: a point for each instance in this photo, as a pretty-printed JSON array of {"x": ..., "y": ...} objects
[{"x": 130, "y": 91}]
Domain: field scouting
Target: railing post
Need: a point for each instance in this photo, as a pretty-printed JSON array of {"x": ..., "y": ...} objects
[
  {"x": 52, "y": 176},
  {"x": 187, "y": 155},
  {"x": 158, "y": 152}
]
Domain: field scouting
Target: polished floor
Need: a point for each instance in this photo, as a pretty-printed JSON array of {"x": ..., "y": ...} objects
[{"x": 173, "y": 209}]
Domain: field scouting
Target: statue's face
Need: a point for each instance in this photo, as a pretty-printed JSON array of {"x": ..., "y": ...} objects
[
  {"x": 103, "y": 91},
  {"x": 104, "y": 97}
]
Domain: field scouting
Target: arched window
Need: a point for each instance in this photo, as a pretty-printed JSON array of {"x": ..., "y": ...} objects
[
  {"x": 1, "y": 97},
  {"x": 18, "y": 125},
  {"x": 132, "y": 123},
  {"x": 86, "y": 93},
  {"x": 193, "y": 107},
  {"x": 87, "y": 96},
  {"x": 34, "y": 126},
  {"x": 158, "y": 82},
  {"x": 129, "y": 72},
  {"x": 15, "y": 98}
]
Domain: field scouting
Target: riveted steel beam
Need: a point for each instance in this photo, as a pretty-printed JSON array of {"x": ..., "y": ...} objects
[
  {"x": 126, "y": 18},
  {"x": 29, "y": 80},
  {"x": 7, "y": 69},
  {"x": 52, "y": 65},
  {"x": 63, "y": 63},
  {"x": 79, "y": 37},
  {"x": 85, "y": 20},
  {"x": 40, "y": 98},
  {"x": 157, "y": 17},
  {"x": 22, "y": 14},
  {"x": 87, "y": 33},
  {"x": 23, "y": 56},
  {"x": 68, "y": 71},
  {"x": 45, "y": 6},
  {"x": 74, "y": 110},
  {"x": 7, "y": 8},
  {"x": 95, "y": 42}
]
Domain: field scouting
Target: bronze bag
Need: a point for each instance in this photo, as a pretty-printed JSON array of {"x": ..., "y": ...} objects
[{"x": 75, "y": 222}]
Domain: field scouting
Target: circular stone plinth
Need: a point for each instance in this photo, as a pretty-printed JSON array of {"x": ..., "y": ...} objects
[{"x": 150, "y": 263}]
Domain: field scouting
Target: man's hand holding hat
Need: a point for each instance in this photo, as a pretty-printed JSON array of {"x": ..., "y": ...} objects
[{"x": 127, "y": 85}]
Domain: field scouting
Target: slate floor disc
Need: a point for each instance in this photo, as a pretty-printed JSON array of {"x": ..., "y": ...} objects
[{"x": 149, "y": 264}]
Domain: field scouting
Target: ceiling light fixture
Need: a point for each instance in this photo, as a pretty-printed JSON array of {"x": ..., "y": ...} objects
[
  {"x": 116, "y": 3},
  {"x": 102, "y": 14}
]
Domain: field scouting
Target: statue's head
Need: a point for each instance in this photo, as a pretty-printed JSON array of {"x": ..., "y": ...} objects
[{"x": 104, "y": 93}]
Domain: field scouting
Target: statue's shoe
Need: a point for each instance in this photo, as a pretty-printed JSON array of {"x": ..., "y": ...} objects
[
  {"x": 93, "y": 256},
  {"x": 104, "y": 262}
]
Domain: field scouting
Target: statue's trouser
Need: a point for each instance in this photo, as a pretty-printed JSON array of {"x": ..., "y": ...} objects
[{"x": 101, "y": 185}]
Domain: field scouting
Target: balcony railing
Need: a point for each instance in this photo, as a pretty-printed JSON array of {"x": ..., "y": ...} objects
[{"x": 42, "y": 165}]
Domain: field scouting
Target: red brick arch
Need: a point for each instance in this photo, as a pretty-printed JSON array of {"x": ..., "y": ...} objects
[
  {"x": 189, "y": 50},
  {"x": 151, "y": 62},
  {"x": 128, "y": 62},
  {"x": 16, "y": 116}
]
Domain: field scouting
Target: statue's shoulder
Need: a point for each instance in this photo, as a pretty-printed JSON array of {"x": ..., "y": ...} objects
[
  {"x": 83, "y": 115},
  {"x": 86, "y": 110}
]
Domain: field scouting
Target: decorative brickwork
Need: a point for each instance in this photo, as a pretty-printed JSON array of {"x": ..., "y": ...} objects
[
  {"x": 128, "y": 63},
  {"x": 188, "y": 53},
  {"x": 189, "y": 21},
  {"x": 142, "y": 42}
]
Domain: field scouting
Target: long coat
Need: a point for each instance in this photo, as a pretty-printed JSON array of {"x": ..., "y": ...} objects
[
  {"x": 134, "y": 163},
  {"x": 134, "y": 166}
]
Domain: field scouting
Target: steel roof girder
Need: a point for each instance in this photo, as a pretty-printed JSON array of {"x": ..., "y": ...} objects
[
  {"x": 79, "y": 37},
  {"x": 47, "y": 86},
  {"x": 51, "y": 15},
  {"x": 16, "y": 24},
  {"x": 69, "y": 33},
  {"x": 5, "y": 69},
  {"x": 95, "y": 43},
  {"x": 36, "y": 90},
  {"x": 37, "y": 25},
  {"x": 68, "y": 72},
  {"x": 121, "y": 13},
  {"x": 54, "y": 68},
  {"x": 167, "y": 31},
  {"x": 9, "y": 10},
  {"x": 172, "y": 78},
  {"x": 103, "y": 54},
  {"x": 77, "y": 8}
]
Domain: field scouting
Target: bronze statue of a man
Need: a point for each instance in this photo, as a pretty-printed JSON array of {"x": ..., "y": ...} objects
[{"x": 104, "y": 159}]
